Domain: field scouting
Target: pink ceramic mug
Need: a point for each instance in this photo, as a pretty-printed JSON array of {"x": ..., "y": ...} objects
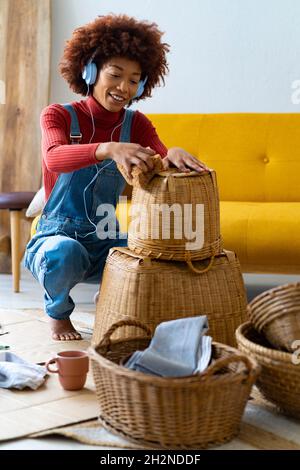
[{"x": 72, "y": 368}]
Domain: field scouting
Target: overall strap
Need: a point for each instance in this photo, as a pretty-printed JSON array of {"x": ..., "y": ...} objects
[
  {"x": 75, "y": 134},
  {"x": 126, "y": 127}
]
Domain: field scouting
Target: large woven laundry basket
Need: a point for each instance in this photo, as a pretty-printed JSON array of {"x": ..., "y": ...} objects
[
  {"x": 175, "y": 413},
  {"x": 279, "y": 380},
  {"x": 153, "y": 291},
  {"x": 276, "y": 314},
  {"x": 176, "y": 217}
]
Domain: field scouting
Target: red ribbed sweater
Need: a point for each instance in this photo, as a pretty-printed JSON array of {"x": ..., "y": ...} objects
[{"x": 61, "y": 157}]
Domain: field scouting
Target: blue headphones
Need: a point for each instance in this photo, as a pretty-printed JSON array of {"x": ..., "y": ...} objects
[{"x": 89, "y": 75}]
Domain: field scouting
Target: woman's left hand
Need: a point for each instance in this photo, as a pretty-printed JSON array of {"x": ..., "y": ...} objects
[{"x": 183, "y": 160}]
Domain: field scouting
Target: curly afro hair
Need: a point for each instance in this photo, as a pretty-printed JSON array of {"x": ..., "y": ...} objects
[{"x": 111, "y": 36}]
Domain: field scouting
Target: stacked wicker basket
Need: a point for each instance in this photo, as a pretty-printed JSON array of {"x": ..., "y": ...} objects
[
  {"x": 166, "y": 274},
  {"x": 272, "y": 339},
  {"x": 161, "y": 278}
]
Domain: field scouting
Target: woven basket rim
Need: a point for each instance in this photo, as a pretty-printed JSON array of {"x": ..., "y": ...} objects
[
  {"x": 273, "y": 354},
  {"x": 167, "y": 381},
  {"x": 271, "y": 305},
  {"x": 261, "y": 322},
  {"x": 170, "y": 266},
  {"x": 176, "y": 173},
  {"x": 275, "y": 290}
]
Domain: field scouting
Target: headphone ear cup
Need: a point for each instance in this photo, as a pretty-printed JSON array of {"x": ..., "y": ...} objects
[
  {"x": 141, "y": 88},
  {"x": 89, "y": 73}
]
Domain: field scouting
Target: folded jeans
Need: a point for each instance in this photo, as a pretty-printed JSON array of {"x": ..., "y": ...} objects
[{"x": 178, "y": 348}]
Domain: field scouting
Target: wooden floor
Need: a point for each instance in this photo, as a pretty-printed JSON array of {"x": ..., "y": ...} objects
[{"x": 31, "y": 296}]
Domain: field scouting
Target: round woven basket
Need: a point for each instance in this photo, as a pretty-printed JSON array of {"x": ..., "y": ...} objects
[
  {"x": 276, "y": 314},
  {"x": 154, "y": 291},
  {"x": 279, "y": 380},
  {"x": 166, "y": 215},
  {"x": 174, "y": 413}
]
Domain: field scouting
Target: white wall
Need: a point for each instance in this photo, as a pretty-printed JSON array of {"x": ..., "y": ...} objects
[{"x": 226, "y": 55}]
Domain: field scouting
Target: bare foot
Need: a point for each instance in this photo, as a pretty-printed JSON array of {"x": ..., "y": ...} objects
[{"x": 63, "y": 330}]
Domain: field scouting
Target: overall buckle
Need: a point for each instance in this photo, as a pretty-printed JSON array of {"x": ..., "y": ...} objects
[{"x": 75, "y": 139}]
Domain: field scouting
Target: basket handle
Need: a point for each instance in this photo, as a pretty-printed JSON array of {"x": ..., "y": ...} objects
[
  {"x": 200, "y": 271},
  {"x": 106, "y": 340},
  {"x": 231, "y": 256},
  {"x": 220, "y": 363},
  {"x": 146, "y": 259}
]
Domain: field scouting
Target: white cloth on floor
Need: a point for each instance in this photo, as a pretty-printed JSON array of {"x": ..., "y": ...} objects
[
  {"x": 178, "y": 348},
  {"x": 17, "y": 373}
]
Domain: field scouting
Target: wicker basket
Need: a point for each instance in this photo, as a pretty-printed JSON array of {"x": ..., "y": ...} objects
[
  {"x": 279, "y": 380},
  {"x": 276, "y": 314},
  {"x": 154, "y": 291},
  {"x": 176, "y": 413},
  {"x": 160, "y": 236}
]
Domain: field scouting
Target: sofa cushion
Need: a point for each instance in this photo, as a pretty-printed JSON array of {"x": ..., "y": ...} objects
[
  {"x": 37, "y": 204},
  {"x": 256, "y": 155},
  {"x": 263, "y": 235}
]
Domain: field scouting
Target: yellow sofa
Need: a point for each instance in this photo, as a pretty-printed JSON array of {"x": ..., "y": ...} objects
[{"x": 257, "y": 160}]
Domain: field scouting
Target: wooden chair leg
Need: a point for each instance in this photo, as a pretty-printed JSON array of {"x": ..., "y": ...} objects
[{"x": 15, "y": 217}]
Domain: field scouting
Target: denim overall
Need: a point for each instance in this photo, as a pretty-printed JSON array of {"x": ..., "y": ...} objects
[{"x": 64, "y": 252}]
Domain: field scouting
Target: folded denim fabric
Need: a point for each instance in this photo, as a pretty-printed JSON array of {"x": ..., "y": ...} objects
[
  {"x": 204, "y": 354},
  {"x": 17, "y": 373},
  {"x": 178, "y": 348}
]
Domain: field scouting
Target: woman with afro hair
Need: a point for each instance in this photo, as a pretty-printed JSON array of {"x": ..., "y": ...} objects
[{"x": 113, "y": 61}]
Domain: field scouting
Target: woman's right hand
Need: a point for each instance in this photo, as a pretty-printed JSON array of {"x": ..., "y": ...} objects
[{"x": 126, "y": 154}]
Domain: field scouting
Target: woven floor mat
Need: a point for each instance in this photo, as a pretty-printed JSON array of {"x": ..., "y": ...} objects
[
  {"x": 262, "y": 427},
  {"x": 92, "y": 433}
]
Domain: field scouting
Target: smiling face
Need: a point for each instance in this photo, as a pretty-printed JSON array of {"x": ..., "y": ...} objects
[{"x": 117, "y": 83}]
